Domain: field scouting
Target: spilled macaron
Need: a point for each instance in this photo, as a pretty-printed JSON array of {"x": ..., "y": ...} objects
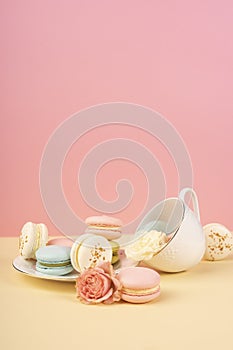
[{"x": 219, "y": 241}]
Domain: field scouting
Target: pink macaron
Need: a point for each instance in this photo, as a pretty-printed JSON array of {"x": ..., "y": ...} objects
[
  {"x": 64, "y": 242},
  {"x": 139, "y": 284},
  {"x": 105, "y": 226}
]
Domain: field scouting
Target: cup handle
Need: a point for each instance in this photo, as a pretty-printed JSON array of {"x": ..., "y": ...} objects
[{"x": 194, "y": 199}]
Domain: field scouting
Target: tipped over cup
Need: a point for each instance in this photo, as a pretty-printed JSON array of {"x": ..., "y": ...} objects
[{"x": 185, "y": 245}]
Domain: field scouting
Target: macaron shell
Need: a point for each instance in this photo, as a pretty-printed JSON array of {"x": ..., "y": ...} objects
[
  {"x": 106, "y": 233},
  {"x": 43, "y": 234},
  {"x": 139, "y": 299},
  {"x": 27, "y": 240},
  {"x": 53, "y": 254},
  {"x": 139, "y": 280},
  {"x": 56, "y": 271},
  {"x": 103, "y": 220},
  {"x": 115, "y": 246},
  {"x": 115, "y": 249},
  {"x": 139, "y": 277},
  {"x": 93, "y": 250},
  {"x": 64, "y": 242},
  {"x": 32, "y": 237},
  {"x": 219, "y": 241},
  {"x": 115, "y": 259},
  {"x": 74, "y": 250}
]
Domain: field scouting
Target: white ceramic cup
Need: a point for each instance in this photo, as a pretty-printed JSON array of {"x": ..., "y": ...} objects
[{"x": 186, "y": 246}]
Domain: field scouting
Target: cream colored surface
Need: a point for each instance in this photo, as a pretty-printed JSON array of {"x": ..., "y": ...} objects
[{"x": 194, "y": 311}]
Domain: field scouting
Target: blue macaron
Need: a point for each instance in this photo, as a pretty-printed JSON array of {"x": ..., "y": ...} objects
[{"x": 53, "y": 260}]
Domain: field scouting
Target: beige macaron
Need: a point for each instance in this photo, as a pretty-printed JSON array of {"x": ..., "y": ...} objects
[
  {"x": 90, "y": 250},
  {"x": 219, "y": 241},
  {"x": 32, "y": 237}
]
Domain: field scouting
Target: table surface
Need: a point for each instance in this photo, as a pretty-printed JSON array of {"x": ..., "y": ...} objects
[{"x": 194, "y": 311}]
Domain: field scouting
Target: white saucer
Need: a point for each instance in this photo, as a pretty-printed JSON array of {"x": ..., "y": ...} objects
[{"x": 29, "y": 268}]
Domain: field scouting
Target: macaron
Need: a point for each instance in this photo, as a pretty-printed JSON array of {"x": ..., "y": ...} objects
[
  {"x": 64, "y": 242},
  {"x": 115, "y": 249},
  {"x": 105, "y": 226},
  {"x": 32, "y": 237},
  {"x": 139, "y": 284},
  {"x": 53, "y": 260},
  {"x": 219, "y": 241},
  {"x": 89, "y": 250}
]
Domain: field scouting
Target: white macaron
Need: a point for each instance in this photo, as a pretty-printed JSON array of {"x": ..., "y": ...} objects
[
  {"x": 89, "y": 250},
  {"x": 219, "y": 241},
  {"x": 32, "y": 237}
]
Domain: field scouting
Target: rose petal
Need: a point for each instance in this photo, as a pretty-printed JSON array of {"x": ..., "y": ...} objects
[
  {"x": 107, "y": 284},
  {"x": 99, "y": 284},
  {"x": 106, "y": 267},
  {"x": 103, "y": 298}
]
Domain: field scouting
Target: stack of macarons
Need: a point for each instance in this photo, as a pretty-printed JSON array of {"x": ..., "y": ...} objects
[
  {"x": 97, "y": 244},
  {"x": 107, "y": 227},
  {"x": 52, "y": 256},
  {"x": 59, "y": 256},
  {"x": 54, "y": 259}
]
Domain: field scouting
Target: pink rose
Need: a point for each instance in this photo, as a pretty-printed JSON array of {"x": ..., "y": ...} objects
[{"x": 98, "y": 284}]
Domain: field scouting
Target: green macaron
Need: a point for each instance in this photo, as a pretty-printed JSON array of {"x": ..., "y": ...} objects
[{"x": 115, "y": 249}]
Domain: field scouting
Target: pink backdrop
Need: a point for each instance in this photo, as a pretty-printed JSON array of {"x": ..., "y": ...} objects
[{"x": 58, "y": 57}]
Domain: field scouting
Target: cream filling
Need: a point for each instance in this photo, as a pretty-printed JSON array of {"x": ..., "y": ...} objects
[
  {"x": 138, "y": 292},
  {"x": 23, "y": 239},
  {"x": 38, "y": 238},
  {"x": 105, "y": 227},
  {"x": 66, "y": 263}
]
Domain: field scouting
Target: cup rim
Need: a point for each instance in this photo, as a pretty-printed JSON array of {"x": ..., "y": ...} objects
[{"x": 178, "y": 226}]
